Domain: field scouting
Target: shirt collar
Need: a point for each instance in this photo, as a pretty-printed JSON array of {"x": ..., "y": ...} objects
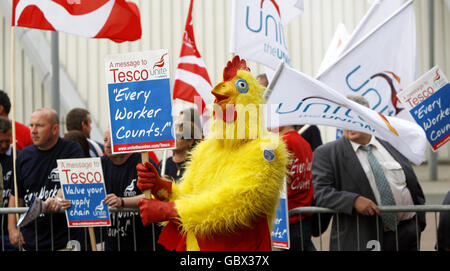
[{"x": 373, "y": 141}]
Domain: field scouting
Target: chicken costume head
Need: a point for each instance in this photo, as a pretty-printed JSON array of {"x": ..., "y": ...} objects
[
  {"x": 228, "y": 195},
  {"x": 237, "y": 104}
]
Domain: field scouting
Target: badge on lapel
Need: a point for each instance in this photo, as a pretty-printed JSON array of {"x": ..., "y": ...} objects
[{"x": 269, "y": 154}]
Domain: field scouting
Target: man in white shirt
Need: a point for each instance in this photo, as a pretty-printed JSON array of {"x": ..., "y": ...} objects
[
  {"x": 354, "y": 175},
  {"x": 392, "y": 170}
]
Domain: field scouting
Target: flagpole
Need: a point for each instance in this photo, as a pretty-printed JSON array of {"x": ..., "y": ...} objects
[
  {"x": 304, "y": 128},
  {"x": 55, "y": 73},
  {"x": 433, "y": 154},
  {"x": 13, "y": 118},
  {"x": 268, "y": 90}
]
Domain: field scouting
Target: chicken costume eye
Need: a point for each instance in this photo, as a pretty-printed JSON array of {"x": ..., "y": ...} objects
[{"x": 242, "y": 85}]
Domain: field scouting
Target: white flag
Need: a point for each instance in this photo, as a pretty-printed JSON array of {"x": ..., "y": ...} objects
[
  {"x": 338, "y": 41},
  {"x": 313, "y": 102},
  {"x": 380, "y": 65},
  {"x": 257, "y": 30},
  {"x": 376, "y": 15},
  {"x": 289, "y": 10}
]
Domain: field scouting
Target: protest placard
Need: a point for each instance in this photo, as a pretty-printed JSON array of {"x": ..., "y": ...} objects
[
  {"x": 83, "y": 184},
  {"x": 140, "y": 105},
  {"x": 280, "y": 229},
  {"x": 427, "y": 100}
]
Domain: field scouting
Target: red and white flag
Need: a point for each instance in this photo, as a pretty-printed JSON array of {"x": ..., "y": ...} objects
[
  {"x": 118, "y": 20},
  {"x": 192, "y": 83}
]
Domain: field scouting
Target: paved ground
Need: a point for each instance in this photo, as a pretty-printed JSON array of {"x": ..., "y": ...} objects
[{"x": 435, "y": 192}]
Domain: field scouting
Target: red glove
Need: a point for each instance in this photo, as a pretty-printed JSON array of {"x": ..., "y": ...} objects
[
  {"x": 148, "y": 178},
  {"x": 153, "y": 210}
]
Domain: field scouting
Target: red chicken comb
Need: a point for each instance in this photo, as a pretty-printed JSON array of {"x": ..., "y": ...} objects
[{"x": 233, "y": 66}]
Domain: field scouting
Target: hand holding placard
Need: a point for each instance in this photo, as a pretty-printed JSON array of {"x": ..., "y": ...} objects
[{"x": 149, "y": 180}]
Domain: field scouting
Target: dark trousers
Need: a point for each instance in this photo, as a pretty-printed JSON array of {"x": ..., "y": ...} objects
[
  {"x": 407, "y": 237},
  {"x": 301, "y": 233}
]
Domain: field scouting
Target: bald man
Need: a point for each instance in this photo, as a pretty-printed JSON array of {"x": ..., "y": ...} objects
[{"x": 37, "y": 175}]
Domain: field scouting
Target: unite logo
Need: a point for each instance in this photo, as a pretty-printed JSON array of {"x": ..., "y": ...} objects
[
  {"x": 270, "y": 25},
  {"x": 375, "y": 94},
  {"x": 161, "y": 62},
  {"x": 54, "y": 175},
  {"x": 100, "y": 210},
  {"x": 159, "y": 69},
  {"x": 437, "y": 77}
]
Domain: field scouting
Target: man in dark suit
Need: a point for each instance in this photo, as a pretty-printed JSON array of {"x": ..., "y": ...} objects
[{"x": 346, "y": 179}]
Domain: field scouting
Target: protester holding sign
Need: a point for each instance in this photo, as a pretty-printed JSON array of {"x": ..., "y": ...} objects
[
  {"x": 37, "y": 175},
  {"x": 354, "y": 175},
  {"x": 120, "y": 175}
]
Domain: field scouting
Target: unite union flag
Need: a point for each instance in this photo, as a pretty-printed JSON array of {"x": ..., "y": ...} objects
[
  {"x": 118, "y": 20},
  {"x": 315, "y": 103}
]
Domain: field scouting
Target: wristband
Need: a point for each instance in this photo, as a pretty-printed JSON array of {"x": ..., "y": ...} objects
[{"x": 121, "y": 202}]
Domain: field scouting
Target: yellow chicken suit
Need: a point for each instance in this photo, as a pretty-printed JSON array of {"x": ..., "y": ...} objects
[{"x": 229, "y": 192}]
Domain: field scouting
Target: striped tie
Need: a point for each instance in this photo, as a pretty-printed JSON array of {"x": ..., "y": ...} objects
[{"x": 386, "y": 196}]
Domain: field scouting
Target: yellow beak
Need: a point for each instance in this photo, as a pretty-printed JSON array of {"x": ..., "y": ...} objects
[{"x": 225, "y": 93}]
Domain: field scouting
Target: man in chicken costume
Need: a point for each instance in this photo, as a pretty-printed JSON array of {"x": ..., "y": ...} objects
[{"x": 227, "y": 198}]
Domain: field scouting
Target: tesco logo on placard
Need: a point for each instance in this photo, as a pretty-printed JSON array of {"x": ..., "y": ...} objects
[
  {"x": 139, "y": 72},
  {"x": 82, "y": 177},
  {"x": 422, "y": 95}
]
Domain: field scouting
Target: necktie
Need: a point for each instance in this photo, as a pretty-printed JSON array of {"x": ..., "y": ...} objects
[{"x": 386, "y": 196}]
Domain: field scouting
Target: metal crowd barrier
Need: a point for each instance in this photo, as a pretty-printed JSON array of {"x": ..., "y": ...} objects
[
  {"x": 388, "y": 209},
  {"x": 100, "y": 241},
  {"x": 294, "y": 212}
]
